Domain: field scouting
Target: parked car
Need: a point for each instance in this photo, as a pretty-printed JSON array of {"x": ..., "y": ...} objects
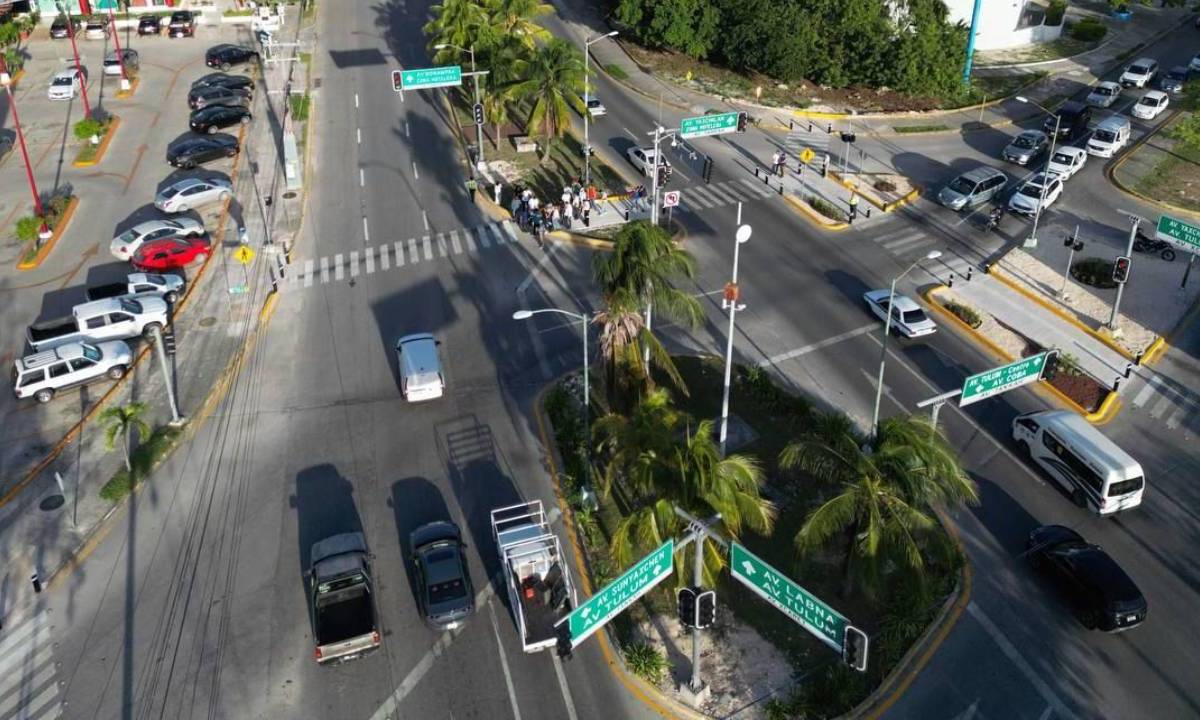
[
  {"x": 193, "y": 151},
  {"x": 100, "y": 321},
  {"x": 213, "y": 118},
  {"x": 593, "y": 106},
  {"x": 171, "y": 254},
  {"x": 1151, "y": 105},
  {"x": 908, "y": 318},
  {"x": 973, "y": 188},
  {"x": 1026, "y": 147},
  {"x": 182, "y": 24},
  {"x": 112, "y": 65},
  {"x": 66, "y": 83},
  {"x": 166, "y": 286},
  {"x": 96, "y": 29},
  {"x": 149, "y": 25},
  {"x": 126, "y": 244},
  {"x": 225, "y": 56},
  {"x": 443, "y": 587},
  {"x": 643, "y": 160},
  {"x": 225, "y": 80},
  {"x": 1066, "y": 161},
  {"x": 1194, "y": 65},
  {"x": 1029, "y": 197},
  {"x": 1101, "y": 594},
  {"x": 1140, "y": 73},
  {"x": 1174, "y": 80},
  {"x": 1104, "y": 94},
  {"x": 189, "y": 193},
  {"x": 62, "y": 28},
  {"x": 43, "y": 374},
  {"x": 206, "y": 96}
]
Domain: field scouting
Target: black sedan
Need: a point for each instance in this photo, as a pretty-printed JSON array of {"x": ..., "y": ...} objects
[
  {"x": 149, "y": 25},
  {"x": 213, "y": 118},
  {"x": 1099, "y": 591},
  {"x": 225, "y": 80},
  {"x": 203, "y": 97},
  {"x": 443, "y": 585},
  {"x": 191, "y": 152},
  {"x": 225, "y": 56}
]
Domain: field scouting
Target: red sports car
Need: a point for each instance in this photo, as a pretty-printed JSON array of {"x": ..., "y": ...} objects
[{"x": 170, "y": 253}]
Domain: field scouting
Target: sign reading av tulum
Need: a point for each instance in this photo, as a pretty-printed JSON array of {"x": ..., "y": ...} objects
[{"x": 794, "y": 601}]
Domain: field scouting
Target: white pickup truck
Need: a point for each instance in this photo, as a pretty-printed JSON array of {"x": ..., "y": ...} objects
[
  {"x": 110, "y": 319},
  {"x": 163, "y": 285}
]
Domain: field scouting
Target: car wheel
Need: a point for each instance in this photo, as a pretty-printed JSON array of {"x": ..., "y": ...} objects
[
  {"x": 1089, "y": 618},
  {"x": 171, "y": 297},
  {"x": 1168, "y": 255},
  {"x": 187, "y": 165},
  {"x": 212, "y": 130},
  {"x": 201, "y": 258},
  {"x": 231, "y": 152},
  {"x": 44, "y": 396},
  {"x": 149, "y": 330},
  {"x": 116, "y": 372},
  {"x": 1079, "y": 498},
  {"x": 225, "y": 66}
]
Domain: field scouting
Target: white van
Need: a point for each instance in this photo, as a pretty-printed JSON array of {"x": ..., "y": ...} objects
[
  {"x": 1096, "y": 472},
  {"x": 421, "y": 375},
  {"x": 1109, "y": 136}
]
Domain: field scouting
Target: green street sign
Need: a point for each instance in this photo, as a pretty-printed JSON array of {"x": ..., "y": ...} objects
[
  {"x": 1001, "y": 379},
  {"x": 794, "y": 601},
  {"x": 704, "y": 125},
  {"x": 447, "y": 76},
  {"x": 621, "y": 593},
  {"x": 1179, "y": 233}
]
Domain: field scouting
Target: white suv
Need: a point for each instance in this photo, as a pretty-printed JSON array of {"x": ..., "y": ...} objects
[
  {"x": 42, "y": 374},
  {"x": 1140, "y": 73}
]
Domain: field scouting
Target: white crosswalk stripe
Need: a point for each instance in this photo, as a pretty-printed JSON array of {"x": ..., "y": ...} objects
[
  {"x": 339, "y": 269},
  {"x": 384, "y": 264},
  {"x": 29, "y": 687},
  {"x": 370, "y": 260},
  {"x": 1165, "y": 401},
  {"x": 353, "y": 263},
  {"x": 427, "y": 245},
  {"x": 761, "y": 189},
  {"x": 700, "y": 196},
  {"x": 308, "y": 273},
  {"x": 899, "y": 244},
  {"x": 455, "y": 245}
]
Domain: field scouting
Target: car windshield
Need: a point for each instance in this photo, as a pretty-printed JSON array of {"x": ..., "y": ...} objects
[
  {"x": 1025, "y": 141},
  {"x": 131, "y": 306},
  {"x": 962, "y": 185},
  {"x": 1031, "y": 189},
  {"x": 1138, "y": 69},
  {"x": 91, "y": 352},
  {"x": 1062, "y": 158},
  {"x": 1125, "y": 487},
  {"x": 1104, "y": 90},
  {"x": 1150, "y": 101},
  {"x": 63, "y": 80},
  {"x": 127, "y": 236},
  {"x": 170, "y": 192},
  {"x": 912, "y": 317},
  {"x": 1105, "y": 135}
]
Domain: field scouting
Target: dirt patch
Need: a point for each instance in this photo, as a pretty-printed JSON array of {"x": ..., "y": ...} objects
[
  {"x": 879, "y": 188},
  {"x": 1086, "y": 392}
]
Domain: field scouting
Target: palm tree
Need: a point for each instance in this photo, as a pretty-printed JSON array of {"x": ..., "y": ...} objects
[
  {"x": 625, "y": 343},
  {"x": 455, "y": 22},
  {"x": 882, "y": 512},
  {"x": 503, "y": 57},
  {"x": 631, "y": 443},
  {"x": 515, "y": 19},
  {"x": 122, "y": 421},
  {"x": 552, "y": 81},
  {"x": 645, "y": 260}
]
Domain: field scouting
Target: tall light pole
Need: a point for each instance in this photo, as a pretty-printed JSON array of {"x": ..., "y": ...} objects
[
  {"x": 887, "y": 330},
  {"x": 112, "y": 20},
  {"x": 587, "y": 395},
  {"x": 731, "y": 301},
  {"x": 6, "y": 81},
  {"x": 475, "y": 77},
  {"x": 587, "y": 143},
  {"x": 1032, "y": 240},
  {"x": 87, "y": 106}
]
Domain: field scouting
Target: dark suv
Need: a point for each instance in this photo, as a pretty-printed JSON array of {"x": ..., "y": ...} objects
[
  {"x": 1100, "y": 592},
  {"x": 443, "y": 585},
  {"x": 213, "y": 118},
  {"x": 1073, "y": 121},
  {"x": 203, "y": 97},
  {"x": 149, "y": 25},
  {"x": 182, "y": 24},
  {"x": 225, "y": 56}
]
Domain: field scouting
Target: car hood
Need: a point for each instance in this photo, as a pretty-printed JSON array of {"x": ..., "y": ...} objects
[
  {"x": 1015, "y": 151},
  {"x": 116, "y": 351},
  {"x": 1024, "y": 202},
  {"x": 950, "y": 196}
]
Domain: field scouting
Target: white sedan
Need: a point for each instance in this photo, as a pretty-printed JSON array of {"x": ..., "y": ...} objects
[
  {"x": 643, "y": 160},
  {"x": 907, "y": 316},
  {"x": 1028, "y": 197},
  {"x": 65, "y": 84},
  {"x": 1067, "y": 161},
  {"x": 1151, "y": 105},
  {"x": 185, "y": 194},
  {"x": 127, "y": 243}
]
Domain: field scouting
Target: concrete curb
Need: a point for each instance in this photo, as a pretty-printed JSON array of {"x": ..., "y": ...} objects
[
  {"x": 44, "y": 250},
  {"x": 812, "y": 216},
  {"x": 886, "y": 207},
  {"x": 103, "y": 148},
  {"x": 1110, "y": 172}
]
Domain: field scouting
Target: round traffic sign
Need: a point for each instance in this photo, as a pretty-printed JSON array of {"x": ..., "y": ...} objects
[{"x": 671, "y": 198}]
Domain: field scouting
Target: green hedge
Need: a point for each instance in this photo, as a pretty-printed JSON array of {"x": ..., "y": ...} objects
[
  {"x": 965, "y": 313},
  {"x": 1088, "y": 29},
  {"x": 1094, "y": 271},
  {"x": 826, "y": 208}
]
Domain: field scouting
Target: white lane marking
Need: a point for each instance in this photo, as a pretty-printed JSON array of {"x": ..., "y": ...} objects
[
  {"x": 562, "y": 683},
  {"x": 355, "y": 99},
  {"x": 907, "y": 243},
  {"x": 384, "y": 260},
  {"x": 428, "y": 247},
  {"x": 338, "y": 271},
  {"x": 512, "y": 693},
  {"x": 469, "y": 239},
  {"x": 353, "y": 263},
  {"x": 308, "y": 273},
  {"x": 425, "y": 220},
  {"x": 1151, "y": 382},
  {"x": 455, "y": 245},
  {"x": 35, "y": 707},
  {"x": 1165, "y": 402},
  {"x": 509, "y": 230},
  {"x": 358, "y": 132},
  {"x": 398, "y": 250},
  {"x": 406, "y": 133},
  {"x": 776, "y": 359},
  {"x": 441, "y": 244},
  {"x": 362, "y": 178},
  {"x": 370, "y": 258},
  {"x": 22, "y": 683},
  {"x": 699, "y": 196},
  {"x": 16, "y": 637},
  {"x": 723, "y": 196},
  {"x": 324, "y": 270},
  {"x": 413, "y": 256},
  {"x": 763, "y": 189},
  {"x": 485, "y": 235},
  {"x": 1022, "y": 665},
  {"x": 1185, "y": 407},
  {"x": 416, "y": 175},
  {"x": 366, "y": 230},
  {"x": 735, "y": 191}
]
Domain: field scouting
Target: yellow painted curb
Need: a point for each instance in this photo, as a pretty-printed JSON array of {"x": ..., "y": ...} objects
[
  {"x": 108, "y": 135},
  {"x": 912, "y": 195},
  {"x": 268, "y": 308},
  {"x": 1016, "y": 286},
  {"x": 1110, "y": 172},
  {"x": 930, "y": 298},
  {"x": 1155, "y": 351},
  {"x": 59, "y": 229},
  {"x": 1107, "y": 411},
  {"x": 812, "y": 215},
  {"x": 583, "y": 240},
  {"x": 133, "y": 86}
]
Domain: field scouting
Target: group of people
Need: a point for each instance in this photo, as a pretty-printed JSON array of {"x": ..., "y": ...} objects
[{"x": 536, "y": 217}]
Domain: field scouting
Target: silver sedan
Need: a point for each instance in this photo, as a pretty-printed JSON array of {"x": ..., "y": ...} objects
[{"x": 188, "y": 193}]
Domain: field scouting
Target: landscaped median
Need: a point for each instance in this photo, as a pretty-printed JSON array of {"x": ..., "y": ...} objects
[
  {"x": 95, "y": 133},
  {"x": 58, "y": 213},
  {"x": 886, "y": 191},
  {"x": 819, "y": 211}
]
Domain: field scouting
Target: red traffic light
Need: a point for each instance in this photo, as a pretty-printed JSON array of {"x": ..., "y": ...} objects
[
  {"x": 397, "y": 81},
  {"x": 1121, "y": 269}
]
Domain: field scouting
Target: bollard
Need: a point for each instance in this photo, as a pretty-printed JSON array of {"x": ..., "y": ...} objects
[
  {"x": 1116, "y": 383},
  {"x": 755, "y": 173},
  {"x": 766, "y": 179},
  {"x": 37, "y": 582},
  {"x": 780, "y": 188},
  {"x": 868, "y": 212},
  {"x": 970, "y": 271},
  {"x": 950, "y": 282},
  {"x": 791, "y": 125},
  {"x": 1138, "y": 360},
  {"x": 829, "y": 130},
  {"x": 1128, "y": 369},
  {"x": 626, "y": 214},
  {"x": 810, "y": 126}
]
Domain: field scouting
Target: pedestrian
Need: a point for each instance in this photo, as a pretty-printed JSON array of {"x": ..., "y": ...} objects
[
  {"x": 555, "y": 217},
  {"x": 853, "y": 206},
  {"x": 568, "y": 214},
  {"x": 496, "y": 192},
  {"x": 782, "y": 163},
  {"x": 591, "y": 196},
  {"x": 472, "y": 186},
  {"x": 587, "y": 216},
  {"x": 583, "y": 197},
  {"x": 567, "y": 195},
  {"x": 534, "y": 203}
]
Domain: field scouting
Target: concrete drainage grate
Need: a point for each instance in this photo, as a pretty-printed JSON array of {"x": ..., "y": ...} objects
[{"x": 208, "y": 322}]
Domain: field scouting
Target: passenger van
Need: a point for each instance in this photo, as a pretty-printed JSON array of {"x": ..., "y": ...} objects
[
  {"x": 1096, "y": 472},
  {"x": 421, "y": 375},
  {"x": 972, "y": 188},
  {"x": 1110, "y": 136}
]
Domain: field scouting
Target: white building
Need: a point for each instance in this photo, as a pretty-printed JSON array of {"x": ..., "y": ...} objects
[{"x": 1004, "y": 23}]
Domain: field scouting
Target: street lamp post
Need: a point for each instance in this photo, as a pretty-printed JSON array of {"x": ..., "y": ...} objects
[
  {"x": 1031, "y": 241},
  {"x": 112, "y": 20},
  {"x": 587, "y": 145},
  {"x": 731, "y": 301},
  {"x": 887, "y": 330},
  {"x": 87, "y": 106},
  {"x": 6, "y": 81},
  {"x": 475, "y": 77}
]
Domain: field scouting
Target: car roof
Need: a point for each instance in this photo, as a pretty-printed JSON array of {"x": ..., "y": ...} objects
[
  {"x": 1154, "y": 95},
  {"x": 151, "y": 225},
  {"x": 436, "y": 531},
  {"x": 903, "y": 302},
  {"x": 1104, "y": 574},
  {"x": 1109, "y": 84},
  {"x": 1070, "y": 150},
  {"x": 68, "y": 73},
  {"x": 44, "y": 358},
  {"x": 1087, "y": 439},
  {"x": 983, "y": 172},
  {"x": 1144, "y": 61},
  {"x": 1032, "y": 133},
  {"x": 1112, "y": 122}
]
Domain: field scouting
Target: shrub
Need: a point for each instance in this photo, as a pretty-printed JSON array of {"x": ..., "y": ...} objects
[
  {"x": 144, "y": 459},
  {"x": 1088, "y": 29},
  {"x": 826, "y": 208},
  {"x": 1054, "y": 13},
  {"x": 1067, "y": 364},
  {"x": 758, "y": 384},
  {"x": 299, "y": 106},
  {"x": 27, "y": 228},
  {"x": 617, "y": 72},
  {"x": 88, "y": 128},
  {"x": 884, "y": 186},
  {"x": 964, "y": 312},
  {"x": 1094, "y": 271},
  {"x": 646, "y": 662}
]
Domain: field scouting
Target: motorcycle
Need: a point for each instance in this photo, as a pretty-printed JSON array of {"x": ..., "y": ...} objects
[
  {"x": 1145, "y": 244},
  {"x": 993, "y": 220}
]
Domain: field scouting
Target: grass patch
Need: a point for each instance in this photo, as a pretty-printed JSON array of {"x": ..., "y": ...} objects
[
  {"x": 145, "y": 458},
  {"x": 826, "y": 208},
  {"x": 234, "y": 12},
  {"x": 88, "y": 152},
  {"x": 910, "y": 129},
  {"x": 298, "y": 105},
  {"x": 306, "y": 58},
  {"x": 30, "y": 253},
  {"x": 964, "y": 312},
  {"x": 616, "y": 71},
  {"x": 1175, "y": 178}
]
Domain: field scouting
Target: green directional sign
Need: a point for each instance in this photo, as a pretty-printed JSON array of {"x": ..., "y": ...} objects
[
  {"x": 1179, "y": 233},
  {"x": 793, "y": 600},
  {"x": 447, "y": 76},
  {"x": 620, "y": 593},
  {"x": 704, "y": 125},
  {"x": 1001, "y": 379}
]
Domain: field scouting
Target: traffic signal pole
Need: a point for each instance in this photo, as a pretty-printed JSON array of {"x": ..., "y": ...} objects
[
  {"x": 1112, "y": 318},
  {"x": 700, "y": 531}
]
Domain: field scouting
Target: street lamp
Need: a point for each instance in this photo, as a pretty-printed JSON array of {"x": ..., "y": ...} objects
[
  {"x": 87, "y": 106},
  {"x": 112, "y": 20},
  {"x": 475, "y": 77},
  {"x": 1031, "y": 241},
  {"x": 6, "y": 81},
  {"x": 587, "y": 146},
  {"x": 587, "y": 395},
  {"x": 731, "y": 301},
  {"x": 887, "y": 330}
]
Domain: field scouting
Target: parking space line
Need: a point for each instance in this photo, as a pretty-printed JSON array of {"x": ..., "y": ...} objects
[{"x": 339, "y": 271}]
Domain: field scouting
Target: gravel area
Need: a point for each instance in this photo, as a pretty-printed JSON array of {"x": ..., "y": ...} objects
[{"x": 1011, "y": 342}]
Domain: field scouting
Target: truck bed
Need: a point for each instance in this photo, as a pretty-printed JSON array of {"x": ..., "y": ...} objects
[
  {"x": 543, "y": 608},
  {"x": 101, "y": 292},
  {"x": 40, "y": 332},
  {"x": 349, "y": 616}
]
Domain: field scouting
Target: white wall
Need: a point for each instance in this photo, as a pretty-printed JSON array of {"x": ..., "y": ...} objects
[{"x": 998, "y": 23}]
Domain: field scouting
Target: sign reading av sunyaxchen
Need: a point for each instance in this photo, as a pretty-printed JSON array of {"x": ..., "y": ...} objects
[
  {"x": 1004, "y": 378},
  {"x": 824, "y": 622},
  {"x": 621, "y": 593},
  {"x": 445, "y": 76},
  {"x": 1183, "y": 235},
  {"x": 704, "y": 125}
]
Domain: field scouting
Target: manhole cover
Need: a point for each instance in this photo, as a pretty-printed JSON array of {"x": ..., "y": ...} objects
[
  {"x": 208, "y": 322},
  {"x": 289, "y": 195},
  {"x": 53, "y": 502}
]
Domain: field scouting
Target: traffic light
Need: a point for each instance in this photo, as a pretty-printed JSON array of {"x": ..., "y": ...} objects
[
  {"x": 686, "y": 601},
  {"x": 662, "y": 176},
  {"x": 706, "y": 609},
  {"x": 854, "y": 648},
  {"x": 478, "y": 114},
  {"x": 706, "y": 173},
  {"x": 848, "y": 137},
  {"x": 1121, "y": 269},
  {"x": 743, "y": 119},
  {"x": 562, "y": 644},
  {"x": 397, "y": 81}
]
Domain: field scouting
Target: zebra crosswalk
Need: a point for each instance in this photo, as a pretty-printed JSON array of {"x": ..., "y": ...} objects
[
  {"x": 1166, "y": 400},
  {"x": 798, "y": 140},
  {"x": 911, "y": 243},
  {"x": 29, "y": 684},
  {"x": 695, "y": 198}
]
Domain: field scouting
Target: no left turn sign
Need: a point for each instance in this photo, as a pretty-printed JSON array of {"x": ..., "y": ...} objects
[{"x": 671, "y": 198}]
